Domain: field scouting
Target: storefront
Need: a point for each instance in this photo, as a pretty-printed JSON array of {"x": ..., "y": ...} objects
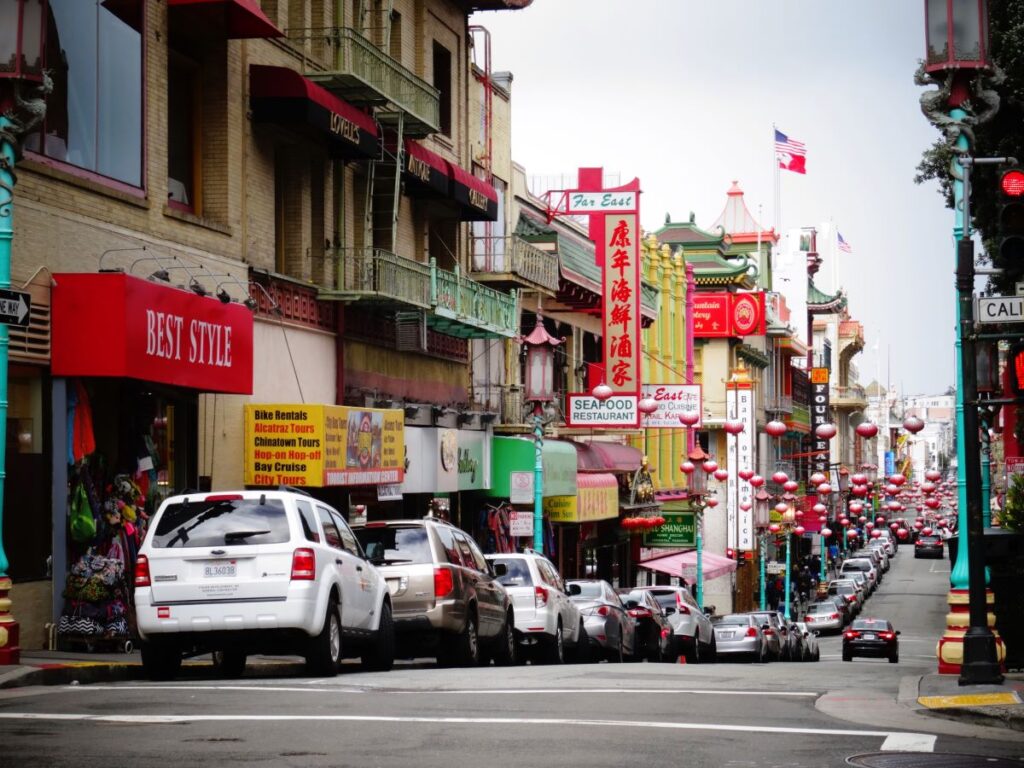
[
  {"x": 447, "y": 472},
  {"x": 511, "y": 495},
  {"x": 129, "y": 359}
]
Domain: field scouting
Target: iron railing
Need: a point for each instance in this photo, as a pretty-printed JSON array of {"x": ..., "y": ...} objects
[
  {"x": 778, "y": 403},
  {"x": 460, "y": 298},
  {"x": 514, "y": 255},
  {"x": 373, "y": 273}
]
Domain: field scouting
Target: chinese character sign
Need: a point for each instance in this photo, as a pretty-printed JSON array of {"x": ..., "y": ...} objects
[
  {"x": 819, "y": 415},
  {"x": 621, "y": 294},
  {"x": 739, "y": 406}
]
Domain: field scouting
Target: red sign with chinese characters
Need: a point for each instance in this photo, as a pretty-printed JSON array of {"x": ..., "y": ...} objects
[
  {"x": 621, "y": 305},
  {"x": 118, "y": 325},
  {"x": 727, "y": 315}
]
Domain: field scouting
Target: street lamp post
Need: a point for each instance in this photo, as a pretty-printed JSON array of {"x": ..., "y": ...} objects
[
  {"x": 761, "y": 499},
  {"x": 956, "y": 58},
  {"x": 540, "y": 388},
  {"x": 21, "y": 62}
]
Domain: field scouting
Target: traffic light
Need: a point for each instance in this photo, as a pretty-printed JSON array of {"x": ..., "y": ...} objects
[
  {"x": 1009, "y": 254},
  {"x": 1015, "y": 365}
]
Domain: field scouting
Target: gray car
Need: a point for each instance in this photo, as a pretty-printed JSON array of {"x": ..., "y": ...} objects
[
  {"x": 611, "y": 631},
  {"x": 447, "y": 599},
  {"x": 691, "y": 627},
  {"x": 739, "y": 635},
  {"x": 824, "y": 616},
  {"x": 780, "y": 643}
]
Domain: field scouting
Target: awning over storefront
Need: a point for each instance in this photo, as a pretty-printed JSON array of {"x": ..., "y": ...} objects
[
  {"x": 118, "y": 325},
  {"x": 477, "y": 199},
  {"x": 234, "y": 19},
  {"x": 597, "y": 498},
  {"x": 599, "y": 456},
  {"x": 513, "y": 458},
  {"x": 282, "y": 96},
  {"x": 685, "y": 564},
  {"x": 425, "y": 172}
]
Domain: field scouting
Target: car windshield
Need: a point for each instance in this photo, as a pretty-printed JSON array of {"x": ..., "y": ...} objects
[
  {"x": 517, "y": 573},
  {"x": 220, "y": 520},
  {"x": 589, "y": 589},
  {"x": 401, "y": 544}
]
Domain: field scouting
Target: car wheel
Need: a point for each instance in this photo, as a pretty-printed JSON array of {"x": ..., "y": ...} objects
[
  {"x": 618, "y": 655},
  {"x": 160, "y": 660},
  {"x": 380, "y": 655},
  {"x": 847, "y": 656},
  {"x": 229, "y": 663},
  {"x": 711, "y": 652},
  {"x": 555, "y": 651},
  {"x": 506, "y": 650},
  {"x": 324, "y": 656},
  {"x": 894, "y": 659},
  {"x": 693, "y": 651},
  {"x": 467, "y": 646}
]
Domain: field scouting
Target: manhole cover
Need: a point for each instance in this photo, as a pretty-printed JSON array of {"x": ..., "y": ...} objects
[{"x": 929, "y": 760}]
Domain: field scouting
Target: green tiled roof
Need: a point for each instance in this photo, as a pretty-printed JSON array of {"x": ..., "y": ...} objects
[{"x": 823, "y": 303}]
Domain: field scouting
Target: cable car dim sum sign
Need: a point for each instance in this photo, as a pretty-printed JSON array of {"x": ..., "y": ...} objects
[{"x": 614, "y": 216}]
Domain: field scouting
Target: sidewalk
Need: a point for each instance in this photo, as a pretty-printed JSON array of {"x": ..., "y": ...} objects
[{"x": 1000, "y": 706}]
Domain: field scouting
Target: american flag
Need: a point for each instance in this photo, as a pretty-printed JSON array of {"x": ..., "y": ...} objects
[
  {"x": 791, "y": 154},
  {"x": 843, "y": 245}
]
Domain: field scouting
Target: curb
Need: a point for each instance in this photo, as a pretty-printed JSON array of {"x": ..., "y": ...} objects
[
  {"x": 1011, "y": 717},
  {"x": 86, "y": 673}
]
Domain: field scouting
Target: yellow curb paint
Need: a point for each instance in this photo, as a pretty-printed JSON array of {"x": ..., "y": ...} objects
[{"x": 969, "y": 700}]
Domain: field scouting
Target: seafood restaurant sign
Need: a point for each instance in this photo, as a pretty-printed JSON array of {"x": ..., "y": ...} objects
[{"x": 614, "y": 216}]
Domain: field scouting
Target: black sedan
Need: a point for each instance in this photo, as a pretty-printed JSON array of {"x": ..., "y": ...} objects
[
  {"x": 928, "y": 546},
  {"x": 871, "y": 637},
  {"x": 653, "y": 631}
]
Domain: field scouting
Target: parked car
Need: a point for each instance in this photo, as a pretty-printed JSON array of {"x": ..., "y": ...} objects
[
  {"x": 739, "y": 635},
  {"x": 929, "y": 546},
  {"x": 654, "y": 640},
  {"x": 879, "y": 559},
  {"x": 860, "y": 579},
  {"x": 774, "y": 633},
  {"x": 871, "y": 637},
  {"x": 847, "y": 589},
  {"x": 844, "y": 607},
  {"x": 812, "y": 652},
  {"x": 824, "y": 616},
  {"x": 547, "y": 621},
  {"x": 448, "y": 600},
  {"x": 610, "y": 630},
  {"x": 240, "y": 572},
  {"x": 691, "y": 627},
  {"x": 864, "y": 565}
]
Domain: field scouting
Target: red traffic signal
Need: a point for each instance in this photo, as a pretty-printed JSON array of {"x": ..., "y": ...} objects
[
  {"x": 1011, "y": 183},
  {"x": 1015, "y": 364}
]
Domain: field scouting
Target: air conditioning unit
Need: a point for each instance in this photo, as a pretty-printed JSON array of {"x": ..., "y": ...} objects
[{"x": 411, "y": 331}]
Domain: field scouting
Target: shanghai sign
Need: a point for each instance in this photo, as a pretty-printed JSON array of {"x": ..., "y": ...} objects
[{"x": 679, "y": 530}]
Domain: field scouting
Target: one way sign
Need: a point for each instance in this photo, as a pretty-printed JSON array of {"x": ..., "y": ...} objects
[{"x": 14, "y": 307}]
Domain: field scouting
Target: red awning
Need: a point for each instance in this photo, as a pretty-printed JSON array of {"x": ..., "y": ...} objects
[
  {"x": 599, "y": 456},
  {"x": 425, "y": 171},
  {"x": 478, "y": 199},
  {"x": 281, "y": 95},
  {"x": 597, "y": 480},
  {"x": 685, "y": 564},
  {"x": 237, "y": 18}
]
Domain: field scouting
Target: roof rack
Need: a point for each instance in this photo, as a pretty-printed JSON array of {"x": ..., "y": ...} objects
[{"x": 293, "y": 489}]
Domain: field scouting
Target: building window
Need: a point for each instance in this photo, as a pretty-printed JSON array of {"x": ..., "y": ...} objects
[
  {"x": 184, "y": 134},
  {"x": 489, "y": 236},
  {"x": 443, "y": 83},
  {"x": 94, "y": 114}
]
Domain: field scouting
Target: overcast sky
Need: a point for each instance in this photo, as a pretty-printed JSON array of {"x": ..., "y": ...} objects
[{"x": 683, "y": 95}]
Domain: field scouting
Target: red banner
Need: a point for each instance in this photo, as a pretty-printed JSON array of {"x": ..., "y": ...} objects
[
  {"x": 118, "y": 325},
  {"x": 727, "y": 315}
]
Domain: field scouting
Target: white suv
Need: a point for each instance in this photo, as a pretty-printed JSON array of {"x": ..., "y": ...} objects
[
  {"x": 545, "y": 617},
  {"x": 243, "y": 572}
]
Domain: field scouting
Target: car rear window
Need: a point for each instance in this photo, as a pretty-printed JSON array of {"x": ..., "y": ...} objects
[
  {"x": 222, "y": 521},
  {"x": 517, "y": 572},
  {"x": 736, "y": 620},
  {"x": 929, "y": 539},
  {"x": 401, "y": 544},
  {"x": 590, "y": 589},
  {"x": 857, "y": 565},
  {"x": 666, "y": 599},
  {"x": 821, "y": 608},
  {"x": 870, "y": 624}
]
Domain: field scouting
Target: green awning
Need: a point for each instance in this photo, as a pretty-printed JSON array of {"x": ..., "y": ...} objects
[{"x": 517, "y": 454}]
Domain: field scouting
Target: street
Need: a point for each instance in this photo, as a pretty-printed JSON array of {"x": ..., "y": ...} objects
[{"x": 596, "y": 715}]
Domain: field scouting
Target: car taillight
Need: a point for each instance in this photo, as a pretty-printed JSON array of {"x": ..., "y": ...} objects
[
  {"x": 834, "y": 616},
  {"x": 808, "y": 618},
  {"x": 751, "y": 632},
  {"x": 851, "y": 598},
  {"x": 918, "y": 543},
  {"x": 142, "y": 572},
  {"x": 769, "y": 632},
  {"x": 851, "y": 634},
  {"x": 224, "y": 497},
  {"x": 540, "y": 597},
  {"x": 602, "y": 610},
  {"x": 303, "y": 565},
  {"x": 681, "y": 607},
  {"x": 887, "y": 635},
  {"x": 443, "y": 582},
  {"x": 640, "y": 613}
]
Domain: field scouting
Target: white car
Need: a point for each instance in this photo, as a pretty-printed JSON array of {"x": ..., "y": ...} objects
[
  {"x": 240, "y": 572},
  {"x": 812, "y": 652},
  {"x": 546, "y": 618}
]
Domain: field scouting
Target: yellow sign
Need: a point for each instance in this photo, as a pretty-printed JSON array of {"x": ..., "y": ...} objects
[
  {"x": 819, "y": 375},
  {"x": 590, "y": 505},
  {"x": 560, "y": 509},
  {"x": 323, "y": 445}
]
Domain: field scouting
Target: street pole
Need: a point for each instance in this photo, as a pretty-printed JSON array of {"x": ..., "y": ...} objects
[
  {"x": 762, "y": 541},
  {"x": 789, "y": 538},
  {"x": 700, "y": 557},
  {"x": 538, "y": 477},
  {"x": 9, "y": 650}
]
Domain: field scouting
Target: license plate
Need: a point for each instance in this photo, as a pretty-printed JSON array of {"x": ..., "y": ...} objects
[
  {"x": 870, "y": 636},
  {"x": 727, "y": 635},
  {"x": 220, "y": 571}
]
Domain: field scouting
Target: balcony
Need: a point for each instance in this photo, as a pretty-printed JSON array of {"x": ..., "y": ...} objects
[
  {"x": 453, "y": 304},
  {"x": 513, "y": 262},
  {"x": 852, "y": 398},
  {"x": 343, "y": 61},
  {"x": 778, "y": 403}
]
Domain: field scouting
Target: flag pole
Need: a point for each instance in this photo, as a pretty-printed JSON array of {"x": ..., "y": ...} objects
[{"x": 777, "y": 187}]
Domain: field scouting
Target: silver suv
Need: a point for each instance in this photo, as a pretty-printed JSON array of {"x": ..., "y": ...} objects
[
  {"x": 241, "y": 572},
  {"x": 866, "y": 566},
  {"x": 546, "y": 619},
  {"x": 448, "y": 601},
  {"x": 694, "y": 634}
]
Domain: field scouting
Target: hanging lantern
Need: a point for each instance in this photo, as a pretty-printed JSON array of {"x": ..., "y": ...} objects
[
  {"x": 757, "y": 481},
  {"x": 895, "y": 505},
  {"x": 734, "y": 427},
  {"x": 823, "y": 519},
  {"x": 918, "y": 525},
  {"x": 602, "y": 392},
  {"x": 689, "y": 418},
  {"x": 647, "y": 405},
  {"x": 869, "y": 525},
  {"x": 919, "y": 507},
  {"x": 799, "y": 530},
  {"x": 826, "y": 532},
  {"x": 746, "y": 506},
  {"x": 721, "y": 475},
  {"x": 891, "y": 490},
  {"x": 824, "y": 489},
  {"x": 862, "y": 519},
  {"x": 709, "y": 466},
  {"x": 687, "y": 467},
  {"x": 774, "y": 528},
  {"x": 880, "y": 520},
  {"x": 817, "y": 479},
  {"x": 859, "y": 479},
  {"x": 781, "y": 507},
  {"x": 745, "y": 474},
  {"x": 775, "y": 428},
  {"x": 913, "y": 425},
  {"x": 851, "y": 534},
  {"x": 876, "y": 534},
  {"x": 791, "y": 485},
  {"x": 856, "y": 507},
  {"x": 932, "y": 503},
  {"x": 711, "y": 502},
  {"x": 780, "y": 478},
  {"x": 897, "y": 479},
  {"x": 928, "y": 487},
  {"x": 926, "y": 531},
  {"x": 933, "y": 475},
  {"x": 894, "y": 526},
  {"x": 867, "y": 430},
  {"x": 819, "y": 509},
  {"x": 844, "y": 521},
  {"x": 825, "y": 431},
  {"x": 859, "y": 490}
]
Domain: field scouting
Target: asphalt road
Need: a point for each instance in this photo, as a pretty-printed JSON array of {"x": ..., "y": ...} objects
[{"x": 722, "y": 715}]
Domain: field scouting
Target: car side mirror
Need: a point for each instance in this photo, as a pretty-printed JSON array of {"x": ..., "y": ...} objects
[
  {"x": 500, "y": 569},
  {"x": 575, "y": 589}
]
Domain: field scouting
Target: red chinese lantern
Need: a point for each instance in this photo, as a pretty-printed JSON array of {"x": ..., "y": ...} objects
[
  {"x": 799, "y": 530},
  {"x": 721, "y": 475},
  {"x": 647, "y": 405},
  {"x": 689, "y": 418},
  {"x": 817, "y": 479},
  {"x": 710, "y": 466},
  {"x": 712, "y": 502},
  {"x": 851, "y": 534},
  {"x": 757, "y": 481},
  {"x": 897, "y": 479},
  {"x": 746, "y": 506},
  {"x": 825, "y": 431},
  {"x": 774, "y": 527},
  {"x": 734, "y": 427},
  {"x": 824, "y": 489},
  {"x": 791, "y": 485},
  {"x": 862, "y": 519},
  {"x": 745, "y": 474},
  {"x": 856, "y": 507},
  {"x": 781, "y": 507},
  {"x": 859, "y": 479},
  {"x": 819, "y": 509},
  {"x": 913, "y": 425},
  {"x": 687, "y": 467},
  {"x": 823, "y": 519},
  {"x": 932, "y": 503},
  {"x": 602, "y": 392},
  {"x": 859, "y": 490},
  {"x": 775, "y": 428},
  {"x": 876, "y": 534},
  {"x": 826, "y": 532},
  {"x": 933, "y": 475},
  {"x": 867, "y": 430},
  {"x": 926, "y": 531},
  {"x": 779, "y": 478}
]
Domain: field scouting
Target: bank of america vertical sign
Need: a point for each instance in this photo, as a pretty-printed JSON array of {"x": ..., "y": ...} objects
[
  {"x": 739, "y": 406},
  {"x": 819, "y": 415}
]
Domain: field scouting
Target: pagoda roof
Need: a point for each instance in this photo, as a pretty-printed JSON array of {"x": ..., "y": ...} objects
[
  {"x": 711, "y": 269},
  {"x": 689, "y": 234},
  {"x": 821, "y": 303},
  {"x": 738, "y": 223}
]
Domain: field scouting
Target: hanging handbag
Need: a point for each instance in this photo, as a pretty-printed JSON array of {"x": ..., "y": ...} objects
[{"x": 82, "y": 523}]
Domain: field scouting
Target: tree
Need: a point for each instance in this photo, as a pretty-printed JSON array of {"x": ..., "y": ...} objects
[{"x": 1001, "y": 136}]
